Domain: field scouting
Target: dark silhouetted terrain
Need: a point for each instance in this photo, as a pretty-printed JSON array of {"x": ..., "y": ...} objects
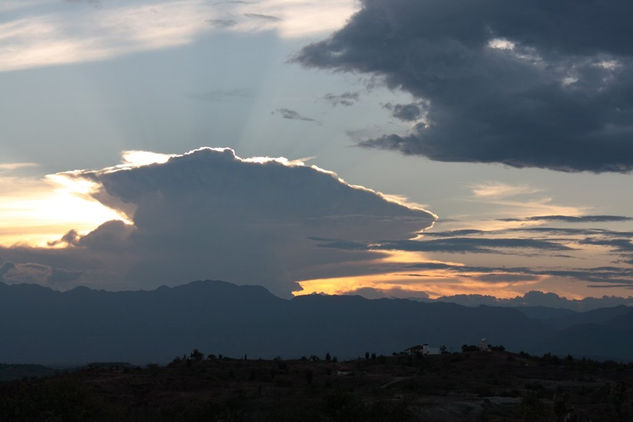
[
  {"x": 39, "y": 325},
  {"x": 471, "y": 386}
]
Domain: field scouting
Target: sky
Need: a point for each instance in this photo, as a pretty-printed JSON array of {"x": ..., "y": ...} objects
[{"x": 403, "y": 148}]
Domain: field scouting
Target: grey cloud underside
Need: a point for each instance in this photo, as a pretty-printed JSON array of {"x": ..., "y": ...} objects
[
  {"x": 222, "y": 23},
  {"x": 619, "y": 242},
  {"x": 548, "y": 231},
  {"x": 551, "y": 241},
  {"x": 619, "y": 245},
  {"x": 289, "y": 114},
  {"x": 452, "y": 245},
  {"x": 346, "y": 99},
  {"x": 601, "y": 275},
  {"x": 573, "y": 219},
  {"x": 405, "y": 112},
  {"x": 263, "y": 17},
  {"x": 210, "y": 214},
  {"x": 561, "y": 98}
]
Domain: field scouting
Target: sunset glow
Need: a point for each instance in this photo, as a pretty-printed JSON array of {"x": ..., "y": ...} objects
[{"x": 53, "y": 206}]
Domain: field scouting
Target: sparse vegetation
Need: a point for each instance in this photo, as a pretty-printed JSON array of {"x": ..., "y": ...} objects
[{"x": 468, "y": 386}]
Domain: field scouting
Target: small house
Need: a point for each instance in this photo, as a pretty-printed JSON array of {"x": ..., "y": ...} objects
[
  {"x": 423, "y": 350},
  {"x": 484, "y": 346}
]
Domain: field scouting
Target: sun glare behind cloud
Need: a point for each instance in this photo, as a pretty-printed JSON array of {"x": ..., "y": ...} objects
[{"x": 49, "y": 208}]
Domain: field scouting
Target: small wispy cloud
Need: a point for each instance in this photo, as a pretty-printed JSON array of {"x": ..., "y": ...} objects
[
  {"x": 497, "y": 190},
  {"x": 573, "y": 219},
  {"x": 37, "y": 35},
  {"x": 345, "y": 99},
  {"x": 222, "y": 23},
  {"x": 16, "y": 166},
  {"x": 289, "y": 114},
  {"x": 264, "y": 17}
]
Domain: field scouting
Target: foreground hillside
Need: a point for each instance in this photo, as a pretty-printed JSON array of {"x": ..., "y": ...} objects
[
  {"x": 39, "y": 325},
  {"x": 470, "y": 386}
]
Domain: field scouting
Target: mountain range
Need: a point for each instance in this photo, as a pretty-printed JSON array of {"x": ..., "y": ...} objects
[{"x": 41, "y": 325}]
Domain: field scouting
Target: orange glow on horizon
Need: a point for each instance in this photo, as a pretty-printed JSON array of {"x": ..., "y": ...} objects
[{"x": 432, "y": 282}]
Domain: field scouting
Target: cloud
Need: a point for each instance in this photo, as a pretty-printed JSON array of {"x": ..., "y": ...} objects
[
  {"x": 573, "y": 219},
  {"x": 34, "y": 210},
  {"x": 8, "y": 167},
  {"x": 523, "y": 84},
  {"x": 33, "y": 273},
  {"x": 451, "y": 245},
  {"x": 619, "y": 245},
  {"x": 262, "y": 16},
  {"x": 48, "y": 33},
  {"x": 346, "y": 99},
  {"x": 497, "y": 190},
  {"x": 406, "y": 112},
  {"x": 564, "y": 260},
  {"x": 289, "y": 114},
  {"x": 600, "y": 275},
  {"x": 394, "y": 293},
  {"x": 209, "y": 214},
  {"x": 222, "y": 23}
]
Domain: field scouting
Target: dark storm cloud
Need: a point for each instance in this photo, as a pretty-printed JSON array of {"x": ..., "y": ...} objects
[
  {"x": 346, "y": 99},
  {"x": 289, "y": 114},
  {"x": 209, "y": 214},
  {"x": 528, "y": 84}
]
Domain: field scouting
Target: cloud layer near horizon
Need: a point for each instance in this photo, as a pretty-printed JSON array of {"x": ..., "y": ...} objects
[
  {"x": 209, "y": 214},
  {"x": 532, "y": 84}
]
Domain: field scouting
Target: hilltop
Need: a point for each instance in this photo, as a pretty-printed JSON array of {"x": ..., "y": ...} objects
[{"x": 469, "y": 386}]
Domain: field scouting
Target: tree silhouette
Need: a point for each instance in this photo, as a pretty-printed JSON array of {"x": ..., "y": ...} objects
[{"x": 196, "y": 355}]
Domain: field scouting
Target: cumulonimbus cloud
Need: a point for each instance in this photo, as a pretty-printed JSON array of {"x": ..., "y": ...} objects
[
  {"x": 209, "y": 214},
  {"x": 527, "y": 84}
]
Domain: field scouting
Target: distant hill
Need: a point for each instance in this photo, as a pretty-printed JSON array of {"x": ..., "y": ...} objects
[
  {"x": 538, "y": 299},
  {"x": 41, "y": 325},
  {"x": 612, "y": 338},
  {"x": 9, "y": 372}
]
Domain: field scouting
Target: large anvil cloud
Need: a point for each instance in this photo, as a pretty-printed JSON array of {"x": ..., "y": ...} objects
[{"x": 209, "y": 214}]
